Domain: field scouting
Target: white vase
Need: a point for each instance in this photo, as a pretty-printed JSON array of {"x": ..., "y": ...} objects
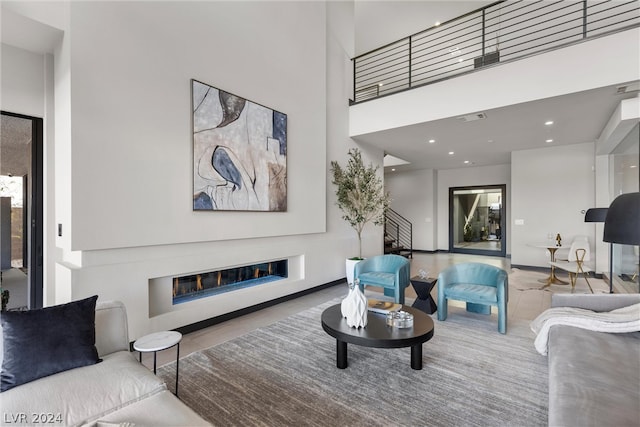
[
  {"x": 354, "y": 307},
  {"x": 350, "y": 267}
]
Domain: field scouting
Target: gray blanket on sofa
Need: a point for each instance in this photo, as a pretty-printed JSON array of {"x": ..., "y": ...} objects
[{"x": 622, "y": 320}]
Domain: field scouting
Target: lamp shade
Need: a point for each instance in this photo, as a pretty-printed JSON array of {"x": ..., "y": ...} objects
[
  {"x": 596, "y": 215},
  {"x": 622, "y": 224}
]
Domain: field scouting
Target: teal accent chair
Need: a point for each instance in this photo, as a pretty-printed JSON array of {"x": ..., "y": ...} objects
[
  {"x": 390, "y": 272},
  {"x": 480, "y": 285}
]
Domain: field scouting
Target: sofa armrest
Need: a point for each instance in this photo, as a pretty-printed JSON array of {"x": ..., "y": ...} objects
[
  {"x": 603, "y": 302},
  {"x": 112, "y": 330}
]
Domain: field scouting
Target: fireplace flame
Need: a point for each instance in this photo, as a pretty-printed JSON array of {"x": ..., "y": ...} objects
[{"x": 207, "y": 283}]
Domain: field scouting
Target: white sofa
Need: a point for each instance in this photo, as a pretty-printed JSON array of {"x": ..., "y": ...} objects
[{"x": 118, "y": 390}]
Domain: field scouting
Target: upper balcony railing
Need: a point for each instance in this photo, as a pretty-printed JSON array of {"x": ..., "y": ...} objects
[{"x": 503, "y": 31}]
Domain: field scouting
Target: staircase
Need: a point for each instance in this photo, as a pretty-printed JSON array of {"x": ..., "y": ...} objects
[{"x": 398, "y": 234}]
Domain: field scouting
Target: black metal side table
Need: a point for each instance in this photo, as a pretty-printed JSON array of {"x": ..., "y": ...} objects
[{"x": 423, "y": 288}]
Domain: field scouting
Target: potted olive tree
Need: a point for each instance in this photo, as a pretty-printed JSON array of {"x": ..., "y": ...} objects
[{"x": 361, "y": 198}]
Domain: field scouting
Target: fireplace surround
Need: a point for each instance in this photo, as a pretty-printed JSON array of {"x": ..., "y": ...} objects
[
  {"x": 211, "y": 298},
  {"x": 201, "y": 285}
]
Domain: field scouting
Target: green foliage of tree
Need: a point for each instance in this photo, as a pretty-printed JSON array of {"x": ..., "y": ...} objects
[
  {"x": 468, "y": 233},
  {"x": 360, "y": 193}
]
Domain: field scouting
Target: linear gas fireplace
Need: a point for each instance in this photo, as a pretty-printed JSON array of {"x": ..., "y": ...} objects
[{"x": 195, "y": 286}]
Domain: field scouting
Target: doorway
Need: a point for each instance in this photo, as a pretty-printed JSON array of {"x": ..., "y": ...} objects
[
  {"x": 477, "y": 220},
  {"x": 21, "y": 210}
]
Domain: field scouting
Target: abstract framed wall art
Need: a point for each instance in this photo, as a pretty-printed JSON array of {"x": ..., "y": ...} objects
[{"x": 239, "y": 153}]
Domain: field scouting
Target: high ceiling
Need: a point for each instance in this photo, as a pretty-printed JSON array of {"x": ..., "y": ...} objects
[{"x": 577, "y": 118}]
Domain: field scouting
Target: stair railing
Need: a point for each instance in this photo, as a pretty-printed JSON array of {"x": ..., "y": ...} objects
[{"x": 399, "y": 231}]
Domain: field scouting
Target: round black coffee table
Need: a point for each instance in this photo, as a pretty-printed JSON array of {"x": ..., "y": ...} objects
[{"x": 378, "y": 334}]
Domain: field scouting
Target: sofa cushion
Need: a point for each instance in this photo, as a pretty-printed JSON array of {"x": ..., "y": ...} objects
[
  {"x": 85, "y": 394},
  {"x": 594, "y": 377},
  {"x": 161, "y": 409},
  {"x": 42, "y": 342}
]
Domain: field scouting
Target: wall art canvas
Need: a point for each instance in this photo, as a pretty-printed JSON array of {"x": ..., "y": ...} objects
[{"x": 239, "y": 153}]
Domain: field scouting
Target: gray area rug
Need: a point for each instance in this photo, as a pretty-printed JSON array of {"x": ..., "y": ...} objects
[{"x": 285, "y": 375}]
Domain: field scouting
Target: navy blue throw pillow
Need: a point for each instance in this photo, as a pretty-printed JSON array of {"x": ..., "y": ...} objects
[{"x": 42, "y": 342}]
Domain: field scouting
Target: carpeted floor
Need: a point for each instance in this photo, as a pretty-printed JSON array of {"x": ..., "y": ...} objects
[{"x": 285, "y": 375}]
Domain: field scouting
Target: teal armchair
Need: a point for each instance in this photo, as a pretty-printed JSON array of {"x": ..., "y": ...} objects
[
  {"x": 390, "y": 272},
  {"x": 480, "y": 285}
]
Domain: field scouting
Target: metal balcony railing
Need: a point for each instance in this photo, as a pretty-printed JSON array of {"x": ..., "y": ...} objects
[{"x": 501, "y": 32}]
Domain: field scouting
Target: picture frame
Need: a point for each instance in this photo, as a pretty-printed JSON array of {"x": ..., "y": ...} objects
[{"x": 239, "y": 153}]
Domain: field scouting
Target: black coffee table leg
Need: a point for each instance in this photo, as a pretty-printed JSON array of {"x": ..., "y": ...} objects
[
  {"x": 416, "y": 357},
  {"x": 341, "y": 353}
]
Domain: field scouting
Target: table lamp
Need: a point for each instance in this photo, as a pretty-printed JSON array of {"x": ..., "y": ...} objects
[{"x": 622, "y": 225}]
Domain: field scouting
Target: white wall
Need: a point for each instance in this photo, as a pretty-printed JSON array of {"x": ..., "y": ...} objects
[
  {"x": 413, "y": 196},
  {"x": 422, "y": 196},
  {"x": 27, "y": 88},
  {"x": 22, "y": 81},
  {"x": 551, "y": 188},
  {"x": 340, "y": 45},
  {"x": 378, "y": 23},
  {"x": 484, "y": 175},
  {"x": 131, "y": 114},
  {"x": 123, "y": 158}
]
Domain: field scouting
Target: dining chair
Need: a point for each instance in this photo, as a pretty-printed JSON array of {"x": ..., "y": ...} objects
[
  {"x": 574, "y": 265},
  {"x": 562, "y": 254}
]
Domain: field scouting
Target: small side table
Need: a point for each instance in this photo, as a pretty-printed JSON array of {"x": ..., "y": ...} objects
[
  {"x": 159, "y": 341},
  {"x": 423, "y": 288}
]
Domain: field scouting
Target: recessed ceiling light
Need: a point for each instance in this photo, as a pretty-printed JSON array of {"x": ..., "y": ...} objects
[
  {"x": 633, "y": 166},
  {"x": 548, "y": 122},
  {"x": 451, "y": 153},
  {"x": 431, "y": 141},
  {"x": 437, "y": 23},
  {"x": 380, "y": 84},
  {"x": 466, "y": 162},
  {"x": 393, "y": 169},
  {"x": 549, "y": 140}
]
